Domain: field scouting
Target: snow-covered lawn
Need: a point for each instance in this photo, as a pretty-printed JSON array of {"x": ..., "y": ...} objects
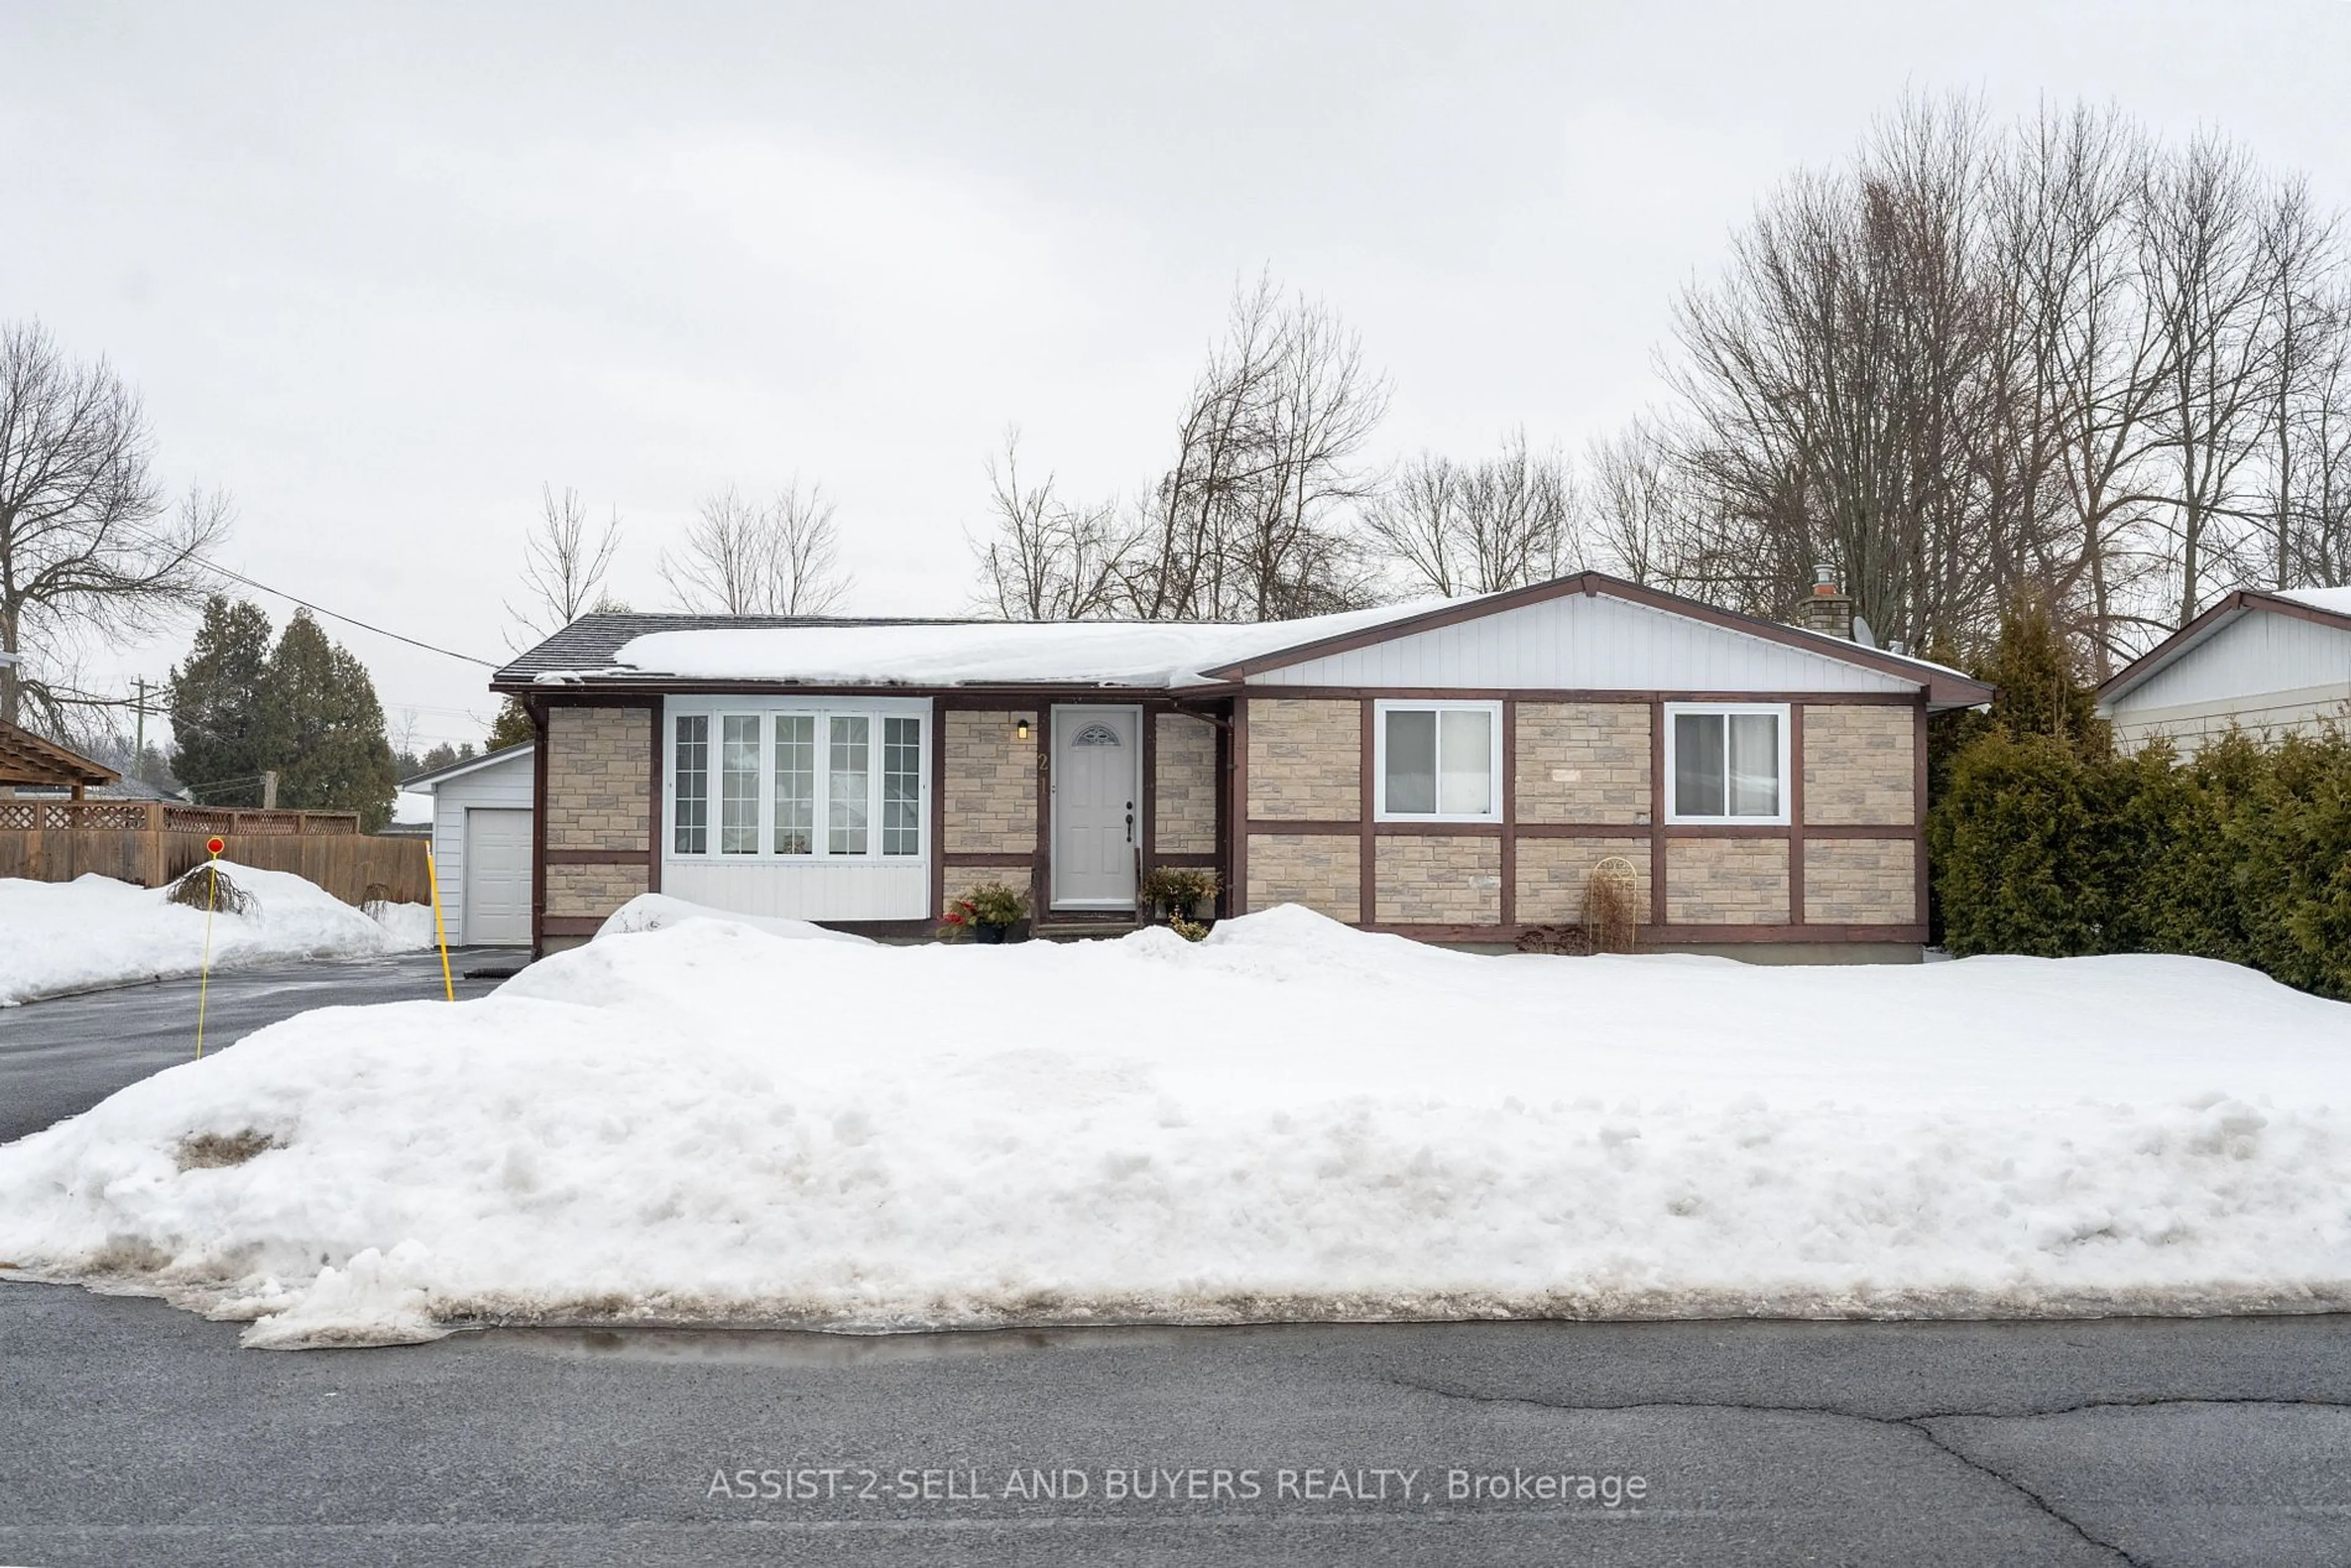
[
  {"x": 709, "y": 1122},
  {"x": 61, "y": 936}
]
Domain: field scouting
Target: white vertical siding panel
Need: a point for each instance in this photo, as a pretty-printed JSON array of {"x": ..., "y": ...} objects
[
  {"x": 804, "y": 890},
  {"x": 2260, "y": 651},
  {"x": 1588, "y": 643}
]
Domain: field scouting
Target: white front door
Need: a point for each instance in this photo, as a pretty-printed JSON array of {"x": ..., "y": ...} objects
[
  {"x": 1097, "y": 806},
  {"x": 497, "y": 872}
]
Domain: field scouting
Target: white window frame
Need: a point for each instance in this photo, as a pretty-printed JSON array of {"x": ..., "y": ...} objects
[
  {"x": 1779, "y": 819},
  {"x": 823, "y": 710},
  {"x": 1384, "y": 706}
]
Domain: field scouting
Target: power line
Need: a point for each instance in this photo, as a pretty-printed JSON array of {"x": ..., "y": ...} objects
[{"x": 337, "y": 615}]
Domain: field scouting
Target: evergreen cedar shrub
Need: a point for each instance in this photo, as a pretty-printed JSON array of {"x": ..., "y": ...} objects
[{"x": 2044, "y": 841}]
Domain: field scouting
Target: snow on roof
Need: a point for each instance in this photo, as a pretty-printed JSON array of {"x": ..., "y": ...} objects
[
  {"x": 2335, "y": 601},
  {"x": 984, "y": 653}
]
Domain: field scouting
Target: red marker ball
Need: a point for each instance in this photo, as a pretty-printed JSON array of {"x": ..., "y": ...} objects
[{"x": 216, "y": 845}]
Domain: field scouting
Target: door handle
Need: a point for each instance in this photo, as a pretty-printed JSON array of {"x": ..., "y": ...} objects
[{"x": 1130, "y": 821}]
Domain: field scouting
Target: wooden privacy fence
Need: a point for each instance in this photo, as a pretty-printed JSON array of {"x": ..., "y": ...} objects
[{"x": 152, "y": 842}]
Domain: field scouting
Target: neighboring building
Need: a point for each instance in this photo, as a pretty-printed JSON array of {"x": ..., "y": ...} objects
[
  {"x": 1449, "y": 771},
  {"x": 2271, "y": 664},
  {"x": 482, "y": 846},
  {"x": 41, "y": 766}
]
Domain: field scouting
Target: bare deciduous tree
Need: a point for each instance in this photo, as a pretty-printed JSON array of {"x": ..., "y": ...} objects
[
  {"x": 1250, "y": 521},
  {"x": 564, "y": 564},
  {"x": 88, "y": 546},
  {"x": 742, "y": 558},
  {"x": 1048, "y": 560},
  {"x": 1635, "y": 506},
  {"x": 1452, "y": 527}
]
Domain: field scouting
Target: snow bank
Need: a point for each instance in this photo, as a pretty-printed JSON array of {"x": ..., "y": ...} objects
[
  {"x": 61, "y": 936},
  {"x": 706, "y": 1124},
  {"x": 659, "y": 911}
]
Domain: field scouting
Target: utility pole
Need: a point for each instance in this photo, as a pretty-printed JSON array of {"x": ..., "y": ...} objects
[
  {"x": 269, "y": 789},
  {"x": 138, "y": 746}
]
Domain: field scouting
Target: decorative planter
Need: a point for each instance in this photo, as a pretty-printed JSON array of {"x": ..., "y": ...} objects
[{"x": 989, "y": 934}]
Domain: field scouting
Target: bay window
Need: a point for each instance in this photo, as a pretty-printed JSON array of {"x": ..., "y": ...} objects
[
  {"x": 1438, "y": 761},
  {"x": 807, "y": 781},
  {"x": 1726, "y": 763}
]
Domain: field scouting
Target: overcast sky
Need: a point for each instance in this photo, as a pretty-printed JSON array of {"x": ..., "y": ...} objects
[{"x": 379, "y": 273}]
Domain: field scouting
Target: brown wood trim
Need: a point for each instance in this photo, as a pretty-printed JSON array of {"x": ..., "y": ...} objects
[
  {"x": 1670, "y": 936},
  {"x": 1146, "y": 828},
  {"x": 1567, "y": 695},
  {"x": 1207, "y": 858},
  {"x": 1222, "y": 831},
  {"x": 1796, "y": 814},
  {"x": 1581, "y": 829},
  {"x": 1008, "y": 859},
  {"x": 1919, "y": 812},
  {"x": 1949, "y": 688},
  {"x": 1239, "y": 815},
  {"x": 571, "y": 924},
  {"x": 538, "y": 929},
  {"x": 1041, "y": 870},
  {"x": 1367, "y": 848},
  {"x": 1657, "y": 811},
  {"x": 1862, "y": 831},
  {"x": 599, "y": 857},
  {"x": 1509, "y": 890},
  {"x": 653, "y": 717},
  {"x": 938, "y": 813}
]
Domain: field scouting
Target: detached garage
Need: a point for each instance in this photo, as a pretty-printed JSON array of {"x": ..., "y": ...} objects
[{"x": 481, "y": 846}]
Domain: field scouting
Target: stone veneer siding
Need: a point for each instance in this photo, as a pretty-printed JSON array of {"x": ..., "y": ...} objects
[
  {"x": 1185, "y": 786},
  {"x": 1728, "y": 882},
  {"x": 1439, "y": 879},
  {"x": 1860, "y": 766},
  {"x": 1322, "y": 871},
  {"x": 599, "y": 763},
  {"x": 1584, "y": 762},
  {"x": 991, "y": 783},
  {"x": 1861, "y": 882},
  {"x": 1305, "y": 762},
  {"x": 1553, "y": 872},
  {"x": 591, "y": 890}
]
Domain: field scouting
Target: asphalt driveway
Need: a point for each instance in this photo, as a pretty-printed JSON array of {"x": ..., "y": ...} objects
[{"x": 60, "y": 1057}]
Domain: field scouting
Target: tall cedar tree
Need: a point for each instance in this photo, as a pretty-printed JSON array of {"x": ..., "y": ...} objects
[
  {"x": 512, "y": 727},
  {"x": 221, "y": 720},
  {"x": 333, "y": 754}
]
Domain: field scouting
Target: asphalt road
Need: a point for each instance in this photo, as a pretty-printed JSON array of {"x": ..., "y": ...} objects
[
  {"x": 133, "y": 1434},
  {"x": 60, "y": 1057}
]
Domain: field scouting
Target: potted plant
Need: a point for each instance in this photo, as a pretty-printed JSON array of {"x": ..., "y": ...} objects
[
  {"x": 1178, "y": 893},
  {"x": 985, "y": 914}
]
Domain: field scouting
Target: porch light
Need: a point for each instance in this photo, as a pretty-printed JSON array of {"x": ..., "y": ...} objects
[{"x": 1020, "y": 727}]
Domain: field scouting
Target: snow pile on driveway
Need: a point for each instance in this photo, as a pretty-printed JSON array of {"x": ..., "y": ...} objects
[
  {"x": 711, "y": 1124},
  {"x": 78, "y": 935}
]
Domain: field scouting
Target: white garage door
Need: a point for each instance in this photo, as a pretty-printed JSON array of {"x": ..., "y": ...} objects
[{"x": 497, "y": 877}]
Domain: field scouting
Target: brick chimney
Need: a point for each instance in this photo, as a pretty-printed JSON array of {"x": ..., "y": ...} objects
[{"x": 1826, "y": 609}]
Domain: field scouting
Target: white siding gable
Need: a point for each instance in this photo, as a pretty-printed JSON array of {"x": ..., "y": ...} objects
[
  {"x": 1587, "y": 642},
  {"x": 2259, "y": 653}
]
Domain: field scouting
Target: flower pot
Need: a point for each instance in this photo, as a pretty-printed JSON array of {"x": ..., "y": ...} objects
[{"x": 988, "y": 934}]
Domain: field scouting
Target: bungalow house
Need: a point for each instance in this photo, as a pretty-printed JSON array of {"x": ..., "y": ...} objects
[
  {"x": 2271, "y": 663},
  {"x": 1450, "y": 771}
]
